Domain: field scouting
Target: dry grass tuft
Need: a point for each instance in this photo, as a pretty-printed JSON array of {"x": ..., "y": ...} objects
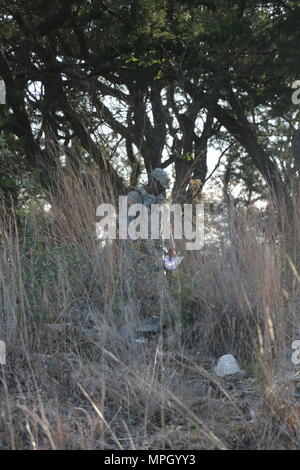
[{"x": 73, "y": 380}]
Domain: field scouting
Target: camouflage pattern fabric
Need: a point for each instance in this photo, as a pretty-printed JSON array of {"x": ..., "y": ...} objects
[
  {"x": 141, "y": 196},
  {"x": 145, "y": 275}
]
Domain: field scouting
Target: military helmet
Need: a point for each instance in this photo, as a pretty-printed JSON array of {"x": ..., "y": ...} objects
[{"x": 161, "y": 176}]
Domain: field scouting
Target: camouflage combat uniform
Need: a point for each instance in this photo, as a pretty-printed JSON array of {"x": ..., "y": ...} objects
[{"x": 145, "y": 273}]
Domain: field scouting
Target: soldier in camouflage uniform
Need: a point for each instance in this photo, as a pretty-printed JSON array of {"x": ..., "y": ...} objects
[{"x": 145, "y": 271}]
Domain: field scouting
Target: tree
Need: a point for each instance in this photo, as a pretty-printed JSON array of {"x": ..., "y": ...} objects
[{"x": 163, "y": 76}]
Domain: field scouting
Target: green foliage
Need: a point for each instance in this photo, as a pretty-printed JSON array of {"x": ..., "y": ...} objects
[
  {"x": 46, "y": 266},
  {"x": 187, "y": 157},
  {"x": 174, "y": 58},
  {"x": 8, "y": 183}
]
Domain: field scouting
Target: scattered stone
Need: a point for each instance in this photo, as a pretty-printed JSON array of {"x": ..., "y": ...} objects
[{"x": 227, "y": 365}]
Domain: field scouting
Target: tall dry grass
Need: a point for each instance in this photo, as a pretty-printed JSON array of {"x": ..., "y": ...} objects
[{"x": 74, "y": 380}]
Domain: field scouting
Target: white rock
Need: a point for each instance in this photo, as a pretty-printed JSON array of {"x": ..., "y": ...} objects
[{"x": 227, "y": 365}]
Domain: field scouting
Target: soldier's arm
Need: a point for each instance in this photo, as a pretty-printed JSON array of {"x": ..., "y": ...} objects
[
  {"x": 169, "y": 244},
  {"x": 133, "y": 197}
]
